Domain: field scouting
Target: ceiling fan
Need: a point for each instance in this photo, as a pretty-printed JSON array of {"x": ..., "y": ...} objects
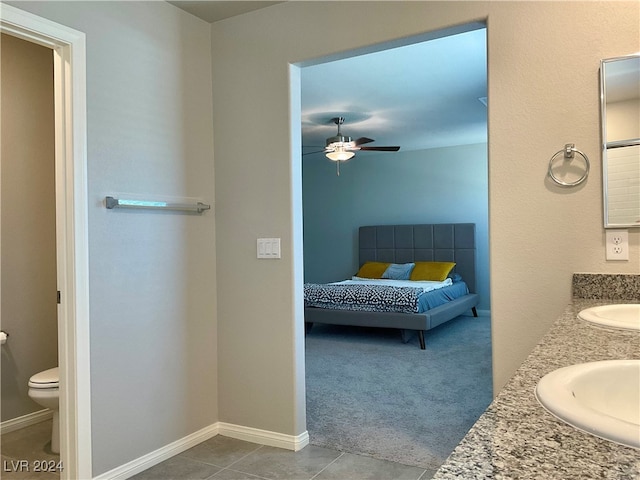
[{"x": 341, "y": 148}]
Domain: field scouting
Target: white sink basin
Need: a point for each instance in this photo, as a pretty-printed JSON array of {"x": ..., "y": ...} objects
[
  {"x": 622, "y": 316},
  {"x": 600, "y": 398}
]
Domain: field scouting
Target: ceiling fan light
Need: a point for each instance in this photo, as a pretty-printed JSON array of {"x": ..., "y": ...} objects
[{"x": 340, "y": 155}]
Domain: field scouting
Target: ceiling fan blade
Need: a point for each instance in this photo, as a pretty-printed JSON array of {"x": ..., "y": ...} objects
[
  {"x": 381, "y": 149},
  {"x": 363, "y": 140}
]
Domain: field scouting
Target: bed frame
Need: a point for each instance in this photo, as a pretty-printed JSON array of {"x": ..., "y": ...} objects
[{"x": 446, "y": 242}]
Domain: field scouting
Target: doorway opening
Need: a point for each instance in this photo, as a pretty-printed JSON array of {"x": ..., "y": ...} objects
[
  {"x": 436, "y": 83},
  {"x": 28, "y": 247},
  {"x": 71, "y": 226}
]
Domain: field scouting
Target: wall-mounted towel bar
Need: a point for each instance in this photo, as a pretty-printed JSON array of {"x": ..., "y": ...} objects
[{"x": 111, "y": 202}]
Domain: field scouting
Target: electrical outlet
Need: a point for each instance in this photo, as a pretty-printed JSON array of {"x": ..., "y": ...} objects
[{"x": 617, "y": 245}]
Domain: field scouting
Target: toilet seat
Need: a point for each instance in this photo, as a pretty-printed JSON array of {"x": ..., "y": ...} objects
[{"x": 45, "y": 380}]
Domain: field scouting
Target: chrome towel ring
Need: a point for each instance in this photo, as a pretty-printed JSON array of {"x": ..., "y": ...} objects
[{"x": 569, "y": 152}]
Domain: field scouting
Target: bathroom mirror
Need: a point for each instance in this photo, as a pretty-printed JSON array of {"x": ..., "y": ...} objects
[{"x": 620, "y": 116}]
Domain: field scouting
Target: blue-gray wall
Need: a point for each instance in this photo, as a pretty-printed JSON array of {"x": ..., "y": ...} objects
[{"x": 443, "y": 185}]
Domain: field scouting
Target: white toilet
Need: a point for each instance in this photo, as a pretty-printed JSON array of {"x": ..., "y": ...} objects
[{"x": 44, "y": 390}]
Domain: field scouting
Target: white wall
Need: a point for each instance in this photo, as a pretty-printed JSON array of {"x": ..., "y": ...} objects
[
  {"x": 152, "y": 275},
  {"x": 543, "y": 93}
]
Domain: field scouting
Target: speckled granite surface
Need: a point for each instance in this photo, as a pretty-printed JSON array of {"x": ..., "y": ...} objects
[
  {"x": 517, "y": 439},
  {"x": 614, "y": 286}
]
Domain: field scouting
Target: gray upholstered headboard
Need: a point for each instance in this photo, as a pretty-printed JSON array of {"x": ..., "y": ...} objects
[{"x": 434, "y": 242}]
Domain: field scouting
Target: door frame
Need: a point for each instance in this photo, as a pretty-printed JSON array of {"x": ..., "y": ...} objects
[{"x": 72, "y": 246}]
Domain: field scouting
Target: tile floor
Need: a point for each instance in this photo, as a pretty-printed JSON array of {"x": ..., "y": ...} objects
[
  {"x": 26, "y": 450},
  {"x": 224, "y": 458},
  {"x": 219, "y": 458}
]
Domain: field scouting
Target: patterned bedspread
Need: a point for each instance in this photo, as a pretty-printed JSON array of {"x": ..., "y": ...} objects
[{"x": 370, "y": 298}]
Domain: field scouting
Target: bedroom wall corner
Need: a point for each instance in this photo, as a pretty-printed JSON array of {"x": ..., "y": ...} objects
[{"x": 439, "y": 185}]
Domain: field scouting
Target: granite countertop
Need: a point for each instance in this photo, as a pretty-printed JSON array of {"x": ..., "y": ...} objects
[{"x": 515, "y": 438}]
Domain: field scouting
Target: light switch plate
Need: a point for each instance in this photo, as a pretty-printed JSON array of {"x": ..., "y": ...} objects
[{"x": 269, "y": 248}]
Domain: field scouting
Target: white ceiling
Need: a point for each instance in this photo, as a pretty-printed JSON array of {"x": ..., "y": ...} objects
[
  {"x": 419, "y": 96},
  {"x": 212, "y": 11}
]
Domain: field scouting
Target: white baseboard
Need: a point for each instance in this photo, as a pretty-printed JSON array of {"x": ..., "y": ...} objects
[
  {"x": 254, "y": 435},
  {"x": 265, "y": 437},
  {"x": 157, "y": 456},
  {"x": 25, "y": 420}
]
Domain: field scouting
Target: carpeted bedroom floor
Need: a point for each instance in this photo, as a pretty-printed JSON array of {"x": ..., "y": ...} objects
[{"x": 370, "y": 394}]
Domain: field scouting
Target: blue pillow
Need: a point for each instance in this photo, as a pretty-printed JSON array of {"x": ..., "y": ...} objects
[
  {"x": 455, "y": 277},
  {"x": 397, "y": 271}
]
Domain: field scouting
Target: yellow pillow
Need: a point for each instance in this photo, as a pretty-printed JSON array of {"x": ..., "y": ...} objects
[
  {"x": 434, "y": 271},
  {"x": 372, "y": 269}
]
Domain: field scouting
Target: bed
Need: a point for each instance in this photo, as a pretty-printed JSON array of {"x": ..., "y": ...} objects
[{"x": 405, "y": 244}]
